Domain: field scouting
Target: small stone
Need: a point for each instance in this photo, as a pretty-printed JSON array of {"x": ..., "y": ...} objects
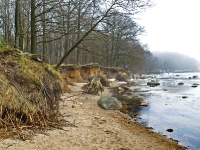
[
  {"x": 143, "y": 104},
  {"x": 153, "y": 83},
  {"x": 184, "y": 97},
  {"x": 181, "y": 83},
  {"x": 194, "y": 77},
  {"x": 194, "y": 86},
  {"x": 169, "y": 130},
  {"x": 121, "y": 89}
]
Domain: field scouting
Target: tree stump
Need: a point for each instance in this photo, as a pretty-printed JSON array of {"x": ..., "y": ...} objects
[{"x": 94, "y": 86}]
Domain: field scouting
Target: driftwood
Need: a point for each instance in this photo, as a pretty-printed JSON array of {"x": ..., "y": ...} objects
[{"x": 94, "y": 86}]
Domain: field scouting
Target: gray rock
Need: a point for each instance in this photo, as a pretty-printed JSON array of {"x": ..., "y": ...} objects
[
  {"x": 107, "y": 102},
  {"x": 122, "y": 76},
  {"x": 184, "y": 97},
  {"x": 194, "y": 77},
  {"x": 195, "y": 84},
  {"x": 153, "y": 84},
  {"x": 180, "y": 83}
]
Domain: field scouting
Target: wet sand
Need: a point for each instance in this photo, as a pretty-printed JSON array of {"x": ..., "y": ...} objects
[{"x": 96, "y": 129}]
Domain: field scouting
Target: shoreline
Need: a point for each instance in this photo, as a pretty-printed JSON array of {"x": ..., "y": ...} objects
[{"x": 96, "y": 128}]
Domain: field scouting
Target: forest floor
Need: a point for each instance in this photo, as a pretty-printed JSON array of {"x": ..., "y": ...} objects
[{"x": 94, "y": 129}]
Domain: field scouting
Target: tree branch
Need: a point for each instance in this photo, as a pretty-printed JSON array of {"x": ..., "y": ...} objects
[{"x": 83, "y": 37}]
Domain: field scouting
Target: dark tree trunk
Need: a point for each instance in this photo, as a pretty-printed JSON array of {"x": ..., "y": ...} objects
[
  {"x": 33, "y": 28},
  {"x": 44, "y": 32},
  {"x": 17, "y": 29}
]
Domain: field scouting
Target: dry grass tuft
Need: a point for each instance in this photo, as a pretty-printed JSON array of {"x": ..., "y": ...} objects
[{"x": 29, "y": 95}]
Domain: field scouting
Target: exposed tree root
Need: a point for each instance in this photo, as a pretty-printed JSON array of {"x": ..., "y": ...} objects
[{"x": 94, "y": 86}]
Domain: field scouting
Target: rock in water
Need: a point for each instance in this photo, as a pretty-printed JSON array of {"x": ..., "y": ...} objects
[
  {"x": 153, "y": 83},
  {"x": 107, "y": 102},
  {"x": 180, "y": 83},
  {"x": 194, "y": 86},
  {"x": 194, "y": 77},
  {"x": 169, "y": 130},
  {"x": 184, "y": 97}
]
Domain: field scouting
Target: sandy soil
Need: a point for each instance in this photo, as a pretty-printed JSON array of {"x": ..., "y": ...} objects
[{"x": 96, "y": 129}]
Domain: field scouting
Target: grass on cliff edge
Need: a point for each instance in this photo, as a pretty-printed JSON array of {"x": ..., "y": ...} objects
[{"x": 29, "y": 94}]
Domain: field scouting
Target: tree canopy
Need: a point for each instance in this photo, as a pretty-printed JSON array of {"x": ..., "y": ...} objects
[{"x": 76, "y": 31}]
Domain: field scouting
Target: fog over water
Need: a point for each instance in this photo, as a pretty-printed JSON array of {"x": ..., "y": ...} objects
[{"x": 173, "y": 26}]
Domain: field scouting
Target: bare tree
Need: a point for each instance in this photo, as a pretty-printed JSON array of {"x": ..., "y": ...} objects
[
  {"x": 17, "y": 18},
  {"x": 33, "y": 27},
  {"x": 109, "y": 5},
  {"x": 82, "y": 31}
]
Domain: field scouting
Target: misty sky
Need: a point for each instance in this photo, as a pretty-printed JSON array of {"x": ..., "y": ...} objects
[{"x": 173, "y": 25}]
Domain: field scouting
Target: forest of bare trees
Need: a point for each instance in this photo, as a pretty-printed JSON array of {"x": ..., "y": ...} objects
[{"x": 77, "y": 31}]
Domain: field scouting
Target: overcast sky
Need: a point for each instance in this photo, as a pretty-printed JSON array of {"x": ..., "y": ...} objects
[{"x": 173, "y": 25}]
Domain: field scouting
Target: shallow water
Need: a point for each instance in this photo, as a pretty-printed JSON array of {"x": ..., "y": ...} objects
[{"x": 167, "y": 109}]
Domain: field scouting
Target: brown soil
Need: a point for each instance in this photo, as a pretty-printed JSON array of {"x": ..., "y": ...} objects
[
  {"x": 73, "y": 73},
  {"x": 72, "y": 76},
  {"x": 88, "y": 70},
  {"x": 96, "y": 129}
]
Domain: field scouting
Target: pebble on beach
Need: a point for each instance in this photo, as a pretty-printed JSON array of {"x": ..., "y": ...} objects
[{"x": 143, "y": 104}]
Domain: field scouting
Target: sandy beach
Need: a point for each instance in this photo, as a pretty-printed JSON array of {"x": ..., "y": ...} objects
[{"x": 94, "y": 129}]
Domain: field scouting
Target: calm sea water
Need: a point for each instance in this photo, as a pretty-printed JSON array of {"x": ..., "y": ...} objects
[{"x": 167, "y": 109}]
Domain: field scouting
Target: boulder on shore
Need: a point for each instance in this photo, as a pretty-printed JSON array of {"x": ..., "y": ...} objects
[
  {"x": 108, "y": 103},
  {"x": 122, "y": 76}
]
